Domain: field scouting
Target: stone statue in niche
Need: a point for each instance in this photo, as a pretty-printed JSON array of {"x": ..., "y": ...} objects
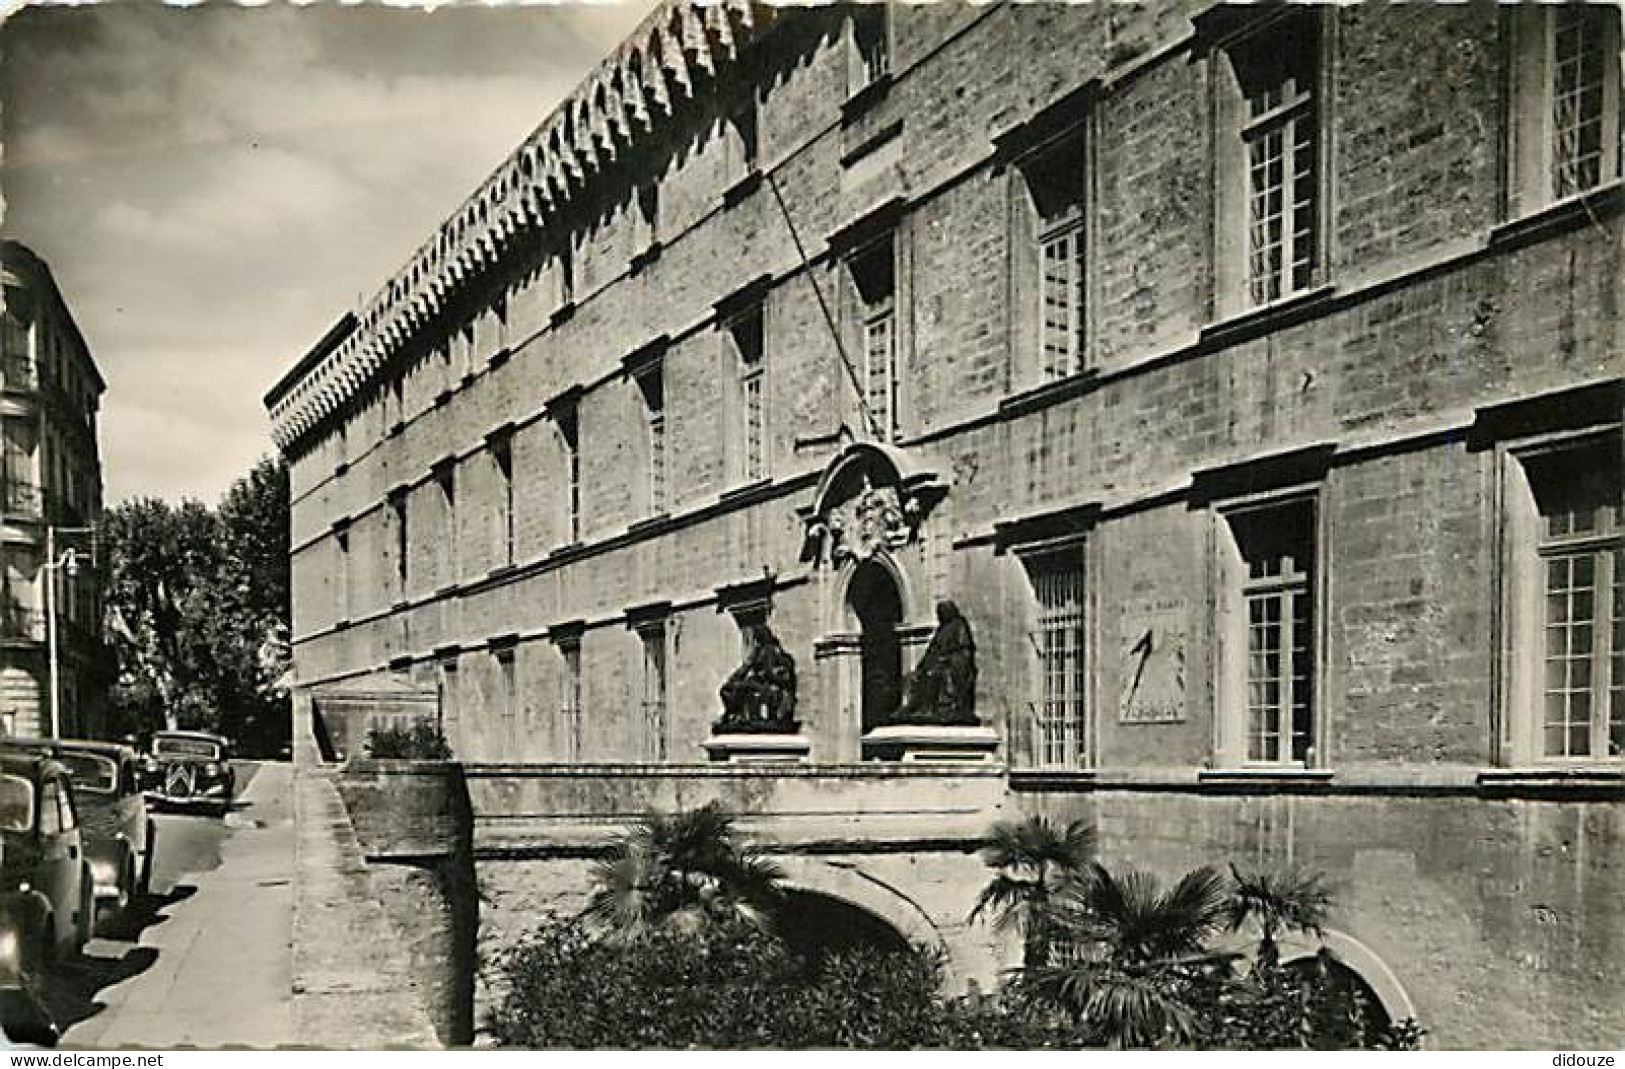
[
  {"x": 760, "y": 696},
  {"x": 942, "y": 690}
]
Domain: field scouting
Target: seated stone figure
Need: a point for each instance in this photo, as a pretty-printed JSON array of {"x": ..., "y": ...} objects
[
  {"x": 760, "y": 695},
  {"x": 942, "y": 690}
]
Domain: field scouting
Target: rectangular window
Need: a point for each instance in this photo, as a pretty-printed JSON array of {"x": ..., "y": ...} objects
[
  {"x": 871, "y": 46},
  {"x": 1277, "y": 75},
  {"x": 652, "y": 385},
  {"x": 1053, "y": 180},
  {"x": 1581, "y": 552},
  {"x": 1270, "y": 667},
  {"x": 447, "y": 690},
  {"x": 747, "y": 330},
  {"x": 507, "y": 683},
  {"x": 446, "y": 479},
  {"x": 1585, "y": 140},
  {"x": 654, "y": 691},
  {"x": 341, "y": 575},
  {"x": 502, "y": 461},
  {"x": 1060, "y": 739},
  {"x": 1564, "y": 105},
  {"x": 403, "y": 544},
  {"x": 874, "y": 276},
  {"x": 569, "y": 424},
  {"x": 570, "y": 698}
]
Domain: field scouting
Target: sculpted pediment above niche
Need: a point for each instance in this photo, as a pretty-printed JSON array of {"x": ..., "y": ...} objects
[{"x": 871, "y": 498}]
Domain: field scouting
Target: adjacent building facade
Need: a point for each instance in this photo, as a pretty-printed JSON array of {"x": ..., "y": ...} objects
[
  {"x": 1250, "y": 377},
  {"x": 51, "y": 495}
]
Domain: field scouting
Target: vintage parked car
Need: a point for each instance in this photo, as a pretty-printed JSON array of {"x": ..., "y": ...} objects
[
  {"x": 189, "y": 768},
  {"x": 46, "y": 886},
  {"x": 119, "y": 836}
]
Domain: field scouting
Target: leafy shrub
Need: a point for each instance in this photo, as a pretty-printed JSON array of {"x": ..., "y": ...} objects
[
  {"x": 734, "y": 987},
  {"x": 423, "y": 741}
]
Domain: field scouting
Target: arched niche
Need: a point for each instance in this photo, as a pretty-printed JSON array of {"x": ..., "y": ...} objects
[{"x": 1373, "y": 974}]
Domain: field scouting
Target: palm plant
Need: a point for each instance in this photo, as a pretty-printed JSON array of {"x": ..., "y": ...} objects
[
  {"x": 1288, "y": 900},
  {"x": 682, "y": 871},
  {"x": 1033, "y": 859},
  {"x": 1140, "y": 954}
]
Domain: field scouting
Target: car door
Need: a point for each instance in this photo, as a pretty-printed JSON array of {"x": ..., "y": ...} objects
[
  {"x": 59, "y": 856},
  {"x": 132, "y": 814}
]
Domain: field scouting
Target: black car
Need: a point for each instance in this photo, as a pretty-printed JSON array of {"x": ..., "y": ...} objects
[
  {"x": 119, "y": 836},
  {"x": 189, "y": 768},
  {"x": 47, "y": 903}
]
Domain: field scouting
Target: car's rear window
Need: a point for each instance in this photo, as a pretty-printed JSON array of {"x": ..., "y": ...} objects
[
  {"x": 91, "y": 773},
  {"x": 184, "y": 748},
  {"x": 16, "y": 803}
]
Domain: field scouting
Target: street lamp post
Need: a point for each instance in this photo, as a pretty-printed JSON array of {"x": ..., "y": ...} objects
[{"x": 69, "y": 563}]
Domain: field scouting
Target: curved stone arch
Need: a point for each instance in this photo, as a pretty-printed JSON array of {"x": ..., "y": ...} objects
[
  {"x": 851, "y": 885},
  {"x": 1361, "y": 960},
  {"x": 843, "y": 618},
  {"x": 890, "y": 464}
]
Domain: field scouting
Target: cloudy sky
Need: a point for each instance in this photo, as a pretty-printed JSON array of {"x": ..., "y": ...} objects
[{"x": 214, "y": 186}]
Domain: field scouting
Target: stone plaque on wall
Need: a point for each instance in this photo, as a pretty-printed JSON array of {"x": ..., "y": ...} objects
[{"x": 1151, "y": 661}]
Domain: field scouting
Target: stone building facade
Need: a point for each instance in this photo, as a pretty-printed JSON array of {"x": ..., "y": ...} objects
[
  {"x": 51, "y": 492},
  {"x": 1251, "y": 379}
]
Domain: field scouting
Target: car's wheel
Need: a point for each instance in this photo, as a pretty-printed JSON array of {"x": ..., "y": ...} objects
[
  {"x": 26, "y": 1019},
  {"x": 109, "y": 918},
  {"x": 143, "y": 883}
]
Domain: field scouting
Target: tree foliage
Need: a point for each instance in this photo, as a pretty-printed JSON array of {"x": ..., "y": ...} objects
[{"x": 197, "y": 608}]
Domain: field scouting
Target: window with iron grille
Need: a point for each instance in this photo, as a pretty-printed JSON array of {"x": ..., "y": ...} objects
[
  {"x": 1276, "y": 72},
  {"x": 874, "y": 275},
  {"x": 1276, "y": 545},
  {"x": 446, "y": 479},
  {"x": 1581, "y": 552},
  {"x": 747, "y": 332},
  {"x": 654, "y": 691},
  {"x": 1060, "y": 738}
]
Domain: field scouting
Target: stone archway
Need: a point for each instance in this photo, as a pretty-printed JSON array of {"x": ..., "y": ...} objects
[
  {"x": 874, "y": 598},
  {"x": 1365, "y": 970},
  {"x": 845, "y": 883}
]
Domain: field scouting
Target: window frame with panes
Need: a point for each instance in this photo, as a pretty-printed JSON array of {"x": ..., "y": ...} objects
[
  {"x": 651, "y": 385},
  {"x": 1563, "y": 607},
  {"x": 1270, "y": 552},
  {"x": 1059, "y": 655},
  {"x": 1563, "y": 121},
  {"x": 873, "y": 274},
  {"x": 1271, "y": 85},
  {"x": 745, "y": 331},
  {"x": 655, "y": 700},
  {"x": 1051, "y": 215},
  {"x": 869, "y": 47}
]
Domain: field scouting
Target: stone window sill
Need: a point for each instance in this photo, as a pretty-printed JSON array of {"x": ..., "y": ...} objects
[
  {"x": 866, "y": 99},
  {"x": 1048, "y": 393},
  {"x": 742, "y": 188},
  {"x": 648, "y": 256},
  {"x": 1560, "y": 216},
  {"x": 1567, "y": 781},
  {"x": 1028, "y": 777},
  {"x": 562, "y": 313},
  {"x": 1264, "y": 777},
  {"x": 872, "y": 142},
  {"x": 1267, "y": 318}
]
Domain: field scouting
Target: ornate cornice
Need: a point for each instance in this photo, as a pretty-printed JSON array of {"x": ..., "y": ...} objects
[{"x": 677, "y": 49}]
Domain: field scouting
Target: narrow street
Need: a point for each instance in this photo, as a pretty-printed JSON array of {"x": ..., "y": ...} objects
[{"x": 206, "y": 960}]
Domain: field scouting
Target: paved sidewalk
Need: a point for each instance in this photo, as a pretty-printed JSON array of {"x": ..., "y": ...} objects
[{"x": 223, "y": 971}]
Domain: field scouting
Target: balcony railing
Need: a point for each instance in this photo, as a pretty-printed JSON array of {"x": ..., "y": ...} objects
[
  {"x": 20, "y": 374},
  {"x": 21, "y": 499},
  {"x": 19, "y": 621}
]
